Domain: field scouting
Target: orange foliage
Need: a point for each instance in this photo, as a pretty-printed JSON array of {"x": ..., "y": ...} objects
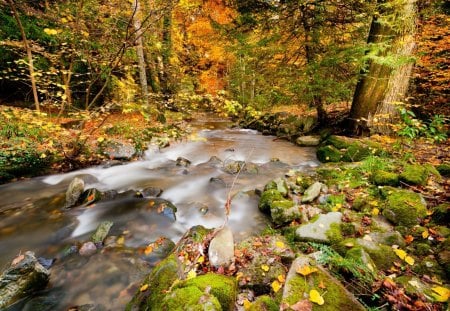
[{"x": 219, "y": 12}]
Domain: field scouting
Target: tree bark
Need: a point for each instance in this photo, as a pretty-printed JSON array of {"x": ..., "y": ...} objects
[
  {"x": 140, "y": 51},
  {"x": 378, "y": 92},
  {"x": 29, "y": 55}
]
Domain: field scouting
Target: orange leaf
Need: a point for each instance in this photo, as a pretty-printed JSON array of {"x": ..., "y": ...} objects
[{"x": 302, "y": 305}]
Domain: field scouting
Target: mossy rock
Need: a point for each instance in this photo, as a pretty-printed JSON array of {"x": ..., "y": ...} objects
[
  {"x": 267, "y": 198},
  {"x": 159, "y": 281},
  {"x": 334, "y": 234},
  {"x": 403, "y": 207},
  {"x": 340, "y": 142},
  {"x": 297, "y": 287},
  {"x": 415, "y": 174},
  {"x": 441, "y": 214},
  {"x": 358, "y": 254},
  {"x": 328, "y": 154},
  {"x": 264, "y": 303},
  {"x": 382, "y": 255},
  {"x": 224, "y": 288},
  {"x": 383, "y": 178},
  {"x": 356, "y": 152},
  {"x": 414, "y": 286},
  {"x": 278, "y": 184},
  {"x": 444, "y": 169},
  {"x": 284, "y": 211},
  {"x": 189, "y": 298}
]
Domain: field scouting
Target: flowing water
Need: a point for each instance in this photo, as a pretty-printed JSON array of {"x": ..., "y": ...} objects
[{"x": 32, "y": 216}]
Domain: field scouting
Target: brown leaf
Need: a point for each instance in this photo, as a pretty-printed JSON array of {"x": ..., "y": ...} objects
[{"x": 302, "y": 305}]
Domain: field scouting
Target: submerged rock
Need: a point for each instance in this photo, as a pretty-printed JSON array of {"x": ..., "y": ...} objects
[
  {"x": 23, "y": 277},
  {"x": 88, "y": 249},
  {"x": 74, "y": 192},
  {"x": 101, "y": 232},
  {"x": 221, "y": 248}
]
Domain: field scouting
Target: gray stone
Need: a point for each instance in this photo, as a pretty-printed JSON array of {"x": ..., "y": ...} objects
[
  {"x": 183, "y": 162},
  {"x": 317, "y": 230},
  {"x": 74, "y": 192},
  {"x": 119, "y": 150},
  {"x": 101, "y": 232},
  {"x": 312, "y": 192},
  {"x": 24, "y": 276},
  {"x": 308, "y": 141},
  {"x": 221, "y": 248},
  {"x": 88, "y": 249}
]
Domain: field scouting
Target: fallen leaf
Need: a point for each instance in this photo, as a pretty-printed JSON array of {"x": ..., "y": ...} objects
[
  {"x": 375, "y": 211},
  {"x": 321, "y": 285},
  {"x": 201, "y": 259},
  {"x": 409, "y": 239},
  {"x": 425, "y": 234},
  {"x": 302, "y": 305},
  {"x": 279, "y": 244},
  {"x": 404, "y": 256},
  {"x": 191, "y": 274},
  {"x": 442, "y": 293},
  {"x": 315, "y": 297},
  {"x": 281, "y": 278},
  {"x": 148, "y": 250},
  {"x": 247, "y": 304},
  {"x": 306, "y": 270},
  {"x": 276, "y": 286},
  {"x": 265, "y": 268},
  {"x": 143, "y": 288}
]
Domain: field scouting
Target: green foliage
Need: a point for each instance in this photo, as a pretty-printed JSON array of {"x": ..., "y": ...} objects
[
  {"x": 338, "y": 264},
  {"x": 413, "y": 128}
]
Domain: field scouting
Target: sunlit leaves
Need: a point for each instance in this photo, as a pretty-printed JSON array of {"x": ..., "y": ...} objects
[
  {"x": 306, "y": 270},
  {"x": 404, "y": 256},
  {"x": 314, "y": 296}
]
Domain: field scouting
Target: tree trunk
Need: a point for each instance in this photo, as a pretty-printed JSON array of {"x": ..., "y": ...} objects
[
  {"x": 166, "y": 49},
  {"x": 29, "y": 55},
  {"x": 383, "y": 87},
  {"x": 140, "y": 50}
]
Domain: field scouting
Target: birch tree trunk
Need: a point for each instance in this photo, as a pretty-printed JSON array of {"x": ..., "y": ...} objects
[
  {"x": 383, "y": 87},
  {"x": 140, "y": 50},
  {"x": 29, "y": 55}
]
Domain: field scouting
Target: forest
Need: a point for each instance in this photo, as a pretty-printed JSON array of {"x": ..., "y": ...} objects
[{"x": 224, "y": 155}]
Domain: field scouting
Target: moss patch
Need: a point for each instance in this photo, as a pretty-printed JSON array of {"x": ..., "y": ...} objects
[
  {"x": 222, "y": 287},
  {"x": 414, "y": 174},
  {"x": 403, "y": 207},
  {"x": 267, "y": 198},
  {"x": 328, "y": 154},
  {"x": 383, "y": 178},
  {"x": 264, "y": 303},
  {"x": 189, "y": 298}
]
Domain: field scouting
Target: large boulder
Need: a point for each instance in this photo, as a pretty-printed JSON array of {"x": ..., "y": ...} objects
[
  {"x": 119, "y": 150},
  {"x": 23, "y": 277},
  {"x": 321, "y": 229},
  {"x": 221, "y": 248},
  {"x": 298, "y": 288}
]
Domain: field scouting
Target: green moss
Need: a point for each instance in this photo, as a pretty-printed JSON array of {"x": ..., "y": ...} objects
[
  {"x": 267, "y": 198},
  {"x": 284, "y": 211},
  {"x": 359, "y": 255},
  {"x": 383, "y": 256},
  {"x": 264, "y": 303},
  {"x": 348, "y": 228},
  {"x": 444, "y": 169},
  {"x": 404, "y": 208},
  {"x": 335, "y": 295},
  {"x": 414, "y": 174},
  {"x": 159, "y": 280},
  {"x": 441, "y": 214},
  {"x": 339, "y": 142},
  {"x": 328, "y": 154},
  {"x": 189, "y": 298},
  {"x": 356, "y": 152},
  {"x": 421, "y": 249},
  {"x": 383, "y": 178},
  {"x": 278, "y": 184},
  {"x": 224, "y": 288},
  {"x": 334, "y": 234}
]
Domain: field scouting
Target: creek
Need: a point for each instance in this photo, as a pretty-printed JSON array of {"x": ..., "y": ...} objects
[{"x": 32, "y": 216}]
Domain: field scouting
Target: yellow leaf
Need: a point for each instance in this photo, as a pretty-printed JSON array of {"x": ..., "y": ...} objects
[
  {"x": 143, "y": 288},
  {"x": 100, "y": 139},
  {"x": 442, "y": 293},
  {"x": 306, "y": 270},
  {"x": 315, "y": 297},
  {"x": 279, "y": 244},
  {"x": 409, "y": 260},
  {"x": 400, "y": 253},
  {"x": 276, "y": 286},
  {"x": 239, "y": 275},
  {"x": 265, "y": 268},
  {"x": 191, "y": 274},
  {"x": 281, "y": 278},
  {"x": 43, "y": 156},
  {"x": 375, "y": 211},
  {"x": 425, "y": 234},
  {"x": 121, "y": 240},
  {"x": 201, "y": 259}
]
